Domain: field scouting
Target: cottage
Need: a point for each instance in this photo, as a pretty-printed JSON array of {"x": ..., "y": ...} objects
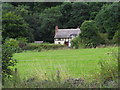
[{"x": 64, "y": 36}]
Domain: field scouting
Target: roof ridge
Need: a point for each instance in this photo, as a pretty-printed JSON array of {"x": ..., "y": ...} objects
[{"x": 69, "y": 29}]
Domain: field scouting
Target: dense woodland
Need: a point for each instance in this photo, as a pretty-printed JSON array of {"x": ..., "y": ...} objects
[{"x": 37, "y": 20}]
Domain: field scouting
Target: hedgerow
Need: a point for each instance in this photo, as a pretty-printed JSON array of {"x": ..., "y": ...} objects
[{"x": 45, "y": 46}]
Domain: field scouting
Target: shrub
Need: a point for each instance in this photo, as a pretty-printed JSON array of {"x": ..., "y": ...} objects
[
  {"x": 7, "y": 62},
  {"x": 116, "y": 37},
  {"x": 75, "y": 43},
  {"x": 109, "y": 71},
  {"x": 9, "y": 47},
  {"x": 80, "y": 43},
  {"x": 12, "y": 44},
  {"x": 104, "y": 37},
  {"x": 90, "y": 37},
  {"x": 39, "y": 49},
  {"x": 22, "y": 42},
  {"x": 46, "y": 46}
]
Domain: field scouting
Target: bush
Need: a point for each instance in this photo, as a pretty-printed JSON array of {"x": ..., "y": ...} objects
[
  {"x": 109, "y": 71},
  {"x": 89, "y": 36},
  {"x": 7, "y": 62},
  {"x": 9, "y": 47},
  {"x": 104, "y": 37},
  {"x": 80, "y": 43},
  {"x": 39, "y": 47},
  {"x": 75, "y": 43},
  {"x": 12, "y": 44},
  {"x": 22, "y": 42},
  {"x": 116, "y": 37}
]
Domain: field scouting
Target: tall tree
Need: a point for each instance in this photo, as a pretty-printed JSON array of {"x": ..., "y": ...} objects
[
  {"x": 107, "y": 19},
  {"x": 28, "y": 16},
  {"x": 80, "y": 13},
  {"x": 49, "y": 19},
  {"x": 94, "y": 8},
  {"x": 89, "y": 35},
  {"x": 74, "y": 14},
  {"x": 14, "y": 26},
  {"x": 66, "y": 14}
]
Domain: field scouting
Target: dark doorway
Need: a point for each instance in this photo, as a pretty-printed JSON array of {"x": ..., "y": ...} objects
[{"x": 66, "y": 43}]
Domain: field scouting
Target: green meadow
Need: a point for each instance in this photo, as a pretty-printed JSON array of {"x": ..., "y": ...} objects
[{"x": 69, "y": 62}]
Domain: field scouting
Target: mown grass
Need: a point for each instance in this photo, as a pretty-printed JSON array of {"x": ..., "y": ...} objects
[{"x": 70, "y": 62}]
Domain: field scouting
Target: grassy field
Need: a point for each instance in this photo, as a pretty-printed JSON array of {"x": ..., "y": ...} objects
[{"x": 70, "y": 62}]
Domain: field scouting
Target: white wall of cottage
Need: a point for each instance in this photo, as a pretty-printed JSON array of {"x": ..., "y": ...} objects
[{"x": 62, "y": 41}]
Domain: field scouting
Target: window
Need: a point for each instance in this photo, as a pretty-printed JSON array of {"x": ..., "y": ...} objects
[
  {"x": 59, "y": 39},
  {"x": 73, "y": 35}
]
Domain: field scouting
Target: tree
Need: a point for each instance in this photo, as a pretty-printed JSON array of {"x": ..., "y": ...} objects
[
  {"x": 14, "y": 26},
  {"x": 80, "y": 13},
  {"x": 40, "y": 6},
  {"x": 75, "y": 42},
  {"x": 74, "y": 14},
  {"x": 107, "y": 19},
  {"x": 7, "y": 7},
  {"x": 89, "y": 35},
  {"x": 94, "y": 8},
  {"x": 49, "y": 19},
  {"x": 65, "y": 14},
  {"x": 9, "y": 47},
  {"x": 27, "y": 14}
]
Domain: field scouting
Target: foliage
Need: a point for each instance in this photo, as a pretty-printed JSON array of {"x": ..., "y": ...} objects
[
  {"x": 104, "y": 37},
  {"x": 65, "y": 15},
  {"x": 49, "y": 18},
  {"x": 71, "y": 14},
  {"x": 89, "y": 35},
  {"x": 23, "y": 10},
  {"x": 12, "y": 44},
  {"x": 116, "y": 37},
  {"x": 7, "y": 61},
  {"x": 7, "y": 7},
  {"x": 14, "y": 26},
  {"x": 46, "y": 46},
  {"x": 109, "y": 70},
  {"x": 94, "y": 8},
  {"x": 43, "y": 5},
  {"x": 22, "y": 42},
  {"x": 8, "y": 48},
  {"x": 107, "y": 19},
  {"x": 75, "y": 43},
  {"x": 46, "y": 15},
  {"x": 80, "y": 13}
]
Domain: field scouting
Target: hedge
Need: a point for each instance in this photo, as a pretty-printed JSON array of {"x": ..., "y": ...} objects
[{"x": 46, "y": 46}]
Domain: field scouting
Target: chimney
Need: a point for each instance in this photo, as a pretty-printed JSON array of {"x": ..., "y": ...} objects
[{"x": 56, "y": 28}]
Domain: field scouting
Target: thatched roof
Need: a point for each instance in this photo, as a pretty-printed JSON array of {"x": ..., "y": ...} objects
[{"x": 66, "y": 33}]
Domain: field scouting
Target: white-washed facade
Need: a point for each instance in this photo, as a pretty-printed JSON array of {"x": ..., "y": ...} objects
[{"x": 64, "y": 36}]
